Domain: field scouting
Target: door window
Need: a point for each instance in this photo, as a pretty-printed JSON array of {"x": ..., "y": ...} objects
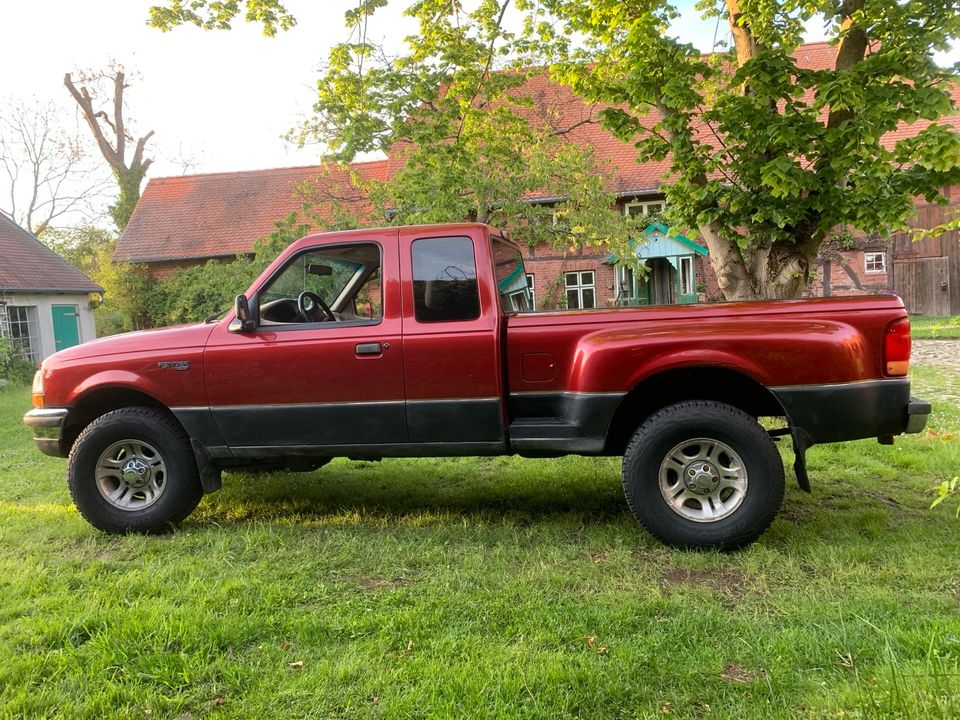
[{"x": 346, "y": 279}]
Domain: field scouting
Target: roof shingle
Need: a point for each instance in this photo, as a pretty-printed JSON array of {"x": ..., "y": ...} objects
[{"x": 26, "y": 264}]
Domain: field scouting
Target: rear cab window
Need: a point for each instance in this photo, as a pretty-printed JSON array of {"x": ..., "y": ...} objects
[{"x": 445, "y": 285}]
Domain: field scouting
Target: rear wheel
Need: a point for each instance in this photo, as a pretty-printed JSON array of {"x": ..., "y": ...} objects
[
  {"x": 703, "y": 474},
  {"x": 132, "y": 470}
]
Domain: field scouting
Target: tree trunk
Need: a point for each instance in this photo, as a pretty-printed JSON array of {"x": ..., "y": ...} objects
[
  {"x": 773, "y": 271},
  {"x": 129, "y": 184},
  {"x": 129, "y": 177}
]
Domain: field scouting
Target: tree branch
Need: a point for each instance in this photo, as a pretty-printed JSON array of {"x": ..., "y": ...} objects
[{"x": 86, "y": 106}]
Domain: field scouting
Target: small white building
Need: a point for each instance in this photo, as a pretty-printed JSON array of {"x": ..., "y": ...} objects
[{"x": 44, "y": 301}]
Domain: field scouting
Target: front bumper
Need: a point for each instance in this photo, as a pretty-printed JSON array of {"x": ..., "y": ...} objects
[{"x": 47, "y": 425}]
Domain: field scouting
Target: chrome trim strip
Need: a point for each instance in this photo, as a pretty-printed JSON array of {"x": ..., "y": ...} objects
[
  {"x": 573, "y": 393},
  {"x": 340, "y": 403}
]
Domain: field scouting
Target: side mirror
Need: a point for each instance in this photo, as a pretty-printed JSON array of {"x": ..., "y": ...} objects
[{"x": 246, "y": 316}]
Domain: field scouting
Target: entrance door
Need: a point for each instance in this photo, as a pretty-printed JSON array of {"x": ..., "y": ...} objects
[
  {"x": 663, "y": 282},
  {"x": 66, "y": 326}
]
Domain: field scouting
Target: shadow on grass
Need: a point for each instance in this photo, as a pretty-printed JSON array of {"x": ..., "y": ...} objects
[{"x": 398, "y": 491}]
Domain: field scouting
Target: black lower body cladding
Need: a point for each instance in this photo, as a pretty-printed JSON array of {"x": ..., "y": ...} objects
[{"x": 852, "y": 411}]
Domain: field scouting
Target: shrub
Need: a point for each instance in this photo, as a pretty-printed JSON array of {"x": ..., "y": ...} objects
[{"x": 13, "y": 368}]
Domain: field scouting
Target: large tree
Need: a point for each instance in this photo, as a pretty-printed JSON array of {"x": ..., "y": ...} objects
[
  {"x": 767, "y": 156},
  {"x": 453, "y": 112},
  {"x": 46, "y": 175},
  {"x": 100, "y": 98}
]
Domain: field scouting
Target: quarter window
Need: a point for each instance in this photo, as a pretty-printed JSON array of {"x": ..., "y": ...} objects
[
  {"x": 875, "y": 262},
  {"x": 445, "y": 280},
  {"x": 581, "y": 290}
]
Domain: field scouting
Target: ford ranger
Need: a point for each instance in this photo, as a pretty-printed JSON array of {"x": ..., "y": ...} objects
[{"x": 417, "y": 341}]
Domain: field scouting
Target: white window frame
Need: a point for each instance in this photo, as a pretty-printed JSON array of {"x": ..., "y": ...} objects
[
  {"x": 688, "y": 287},
  {"x": 645, "y": 206},
  {"x": 531, "y": 284},
  {"x": 870, "y": 258},
  {"x": 31, "y": 349},
  {"x": 579, "y": 287}
]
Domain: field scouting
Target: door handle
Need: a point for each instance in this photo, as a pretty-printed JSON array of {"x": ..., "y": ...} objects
[{"x": 373, "y": 348}]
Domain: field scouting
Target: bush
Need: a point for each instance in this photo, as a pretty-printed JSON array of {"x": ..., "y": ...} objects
[
  {"x": 12, "y": 368},
  {"x": 193, "y": 293}
]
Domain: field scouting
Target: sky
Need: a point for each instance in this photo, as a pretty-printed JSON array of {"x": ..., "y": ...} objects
[{"x": 217, "y": 101}]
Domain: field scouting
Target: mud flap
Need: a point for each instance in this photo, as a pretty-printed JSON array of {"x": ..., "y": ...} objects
[
  {"x": 801, "y": 442},
  {"x": 211, "y": 477}
]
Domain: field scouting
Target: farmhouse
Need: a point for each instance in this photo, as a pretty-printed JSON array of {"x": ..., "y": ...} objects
[
  {"x": 181, "y": 221},
  {"x": 44, "y": 301}
]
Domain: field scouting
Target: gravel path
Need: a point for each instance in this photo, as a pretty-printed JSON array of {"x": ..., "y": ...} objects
[
  {"x": 937, "y": 352},
  {"x": 945, "y": 356}
]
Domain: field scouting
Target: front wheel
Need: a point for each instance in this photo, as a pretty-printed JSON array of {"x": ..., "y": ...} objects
[
  {"x": 132, "y": 470},
  {"x": 703, "y": 474}
]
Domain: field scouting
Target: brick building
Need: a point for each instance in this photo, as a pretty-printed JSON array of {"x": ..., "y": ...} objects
[{"x": 186, "y": 220}]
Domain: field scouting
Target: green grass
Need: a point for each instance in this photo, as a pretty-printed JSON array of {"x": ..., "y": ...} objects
[
  {"x": 925, "y": 327},
  {"x": 476, "y": 588}
]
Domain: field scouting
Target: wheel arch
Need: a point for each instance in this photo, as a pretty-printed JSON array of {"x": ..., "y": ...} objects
[
  {"x": 657, "y": 391},
  {"x": 101, "y": 400}
]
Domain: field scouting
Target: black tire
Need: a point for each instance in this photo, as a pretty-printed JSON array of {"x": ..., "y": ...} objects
[
  {"x": 725, "y": 504},
  {"x": 135, "y": 437}
]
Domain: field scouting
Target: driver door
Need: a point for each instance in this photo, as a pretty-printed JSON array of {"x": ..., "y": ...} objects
[{"x": 315, "y": 386}]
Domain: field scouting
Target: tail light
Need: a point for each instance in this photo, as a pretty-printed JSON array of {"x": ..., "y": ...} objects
[{"x": 896, "y": 347}]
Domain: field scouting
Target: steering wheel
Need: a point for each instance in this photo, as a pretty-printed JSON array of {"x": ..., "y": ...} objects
[{"x": 307, "y": 305}]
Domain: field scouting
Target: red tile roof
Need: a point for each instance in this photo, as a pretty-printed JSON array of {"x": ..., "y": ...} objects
[
  {"x": 27, "y": 265},
  {"x": 221, "y": 214}
]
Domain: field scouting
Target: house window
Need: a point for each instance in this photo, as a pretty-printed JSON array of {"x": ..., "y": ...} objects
[
  {"x": 24, "y": 335},
  {"x": 531, "y": 283},
  {"x": 580, "y": 290},
  {"x": 686, "y": 276},
  {"x": 644, "y": 208},
  {"x": 875, "y": 262}
]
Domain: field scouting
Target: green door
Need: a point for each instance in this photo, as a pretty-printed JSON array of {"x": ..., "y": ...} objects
[{"x": 66, "y": 326}]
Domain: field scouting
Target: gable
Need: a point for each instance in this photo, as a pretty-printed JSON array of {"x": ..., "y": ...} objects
[{"x": 26, "y": 264}]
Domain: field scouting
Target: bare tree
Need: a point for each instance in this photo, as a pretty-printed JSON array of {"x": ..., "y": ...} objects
[
  {"x": 110, "y": 132},
  {"x": 45, "y": 174}
]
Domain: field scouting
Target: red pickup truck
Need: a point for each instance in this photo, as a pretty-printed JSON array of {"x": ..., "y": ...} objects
[{"x": 416, "y": 341}]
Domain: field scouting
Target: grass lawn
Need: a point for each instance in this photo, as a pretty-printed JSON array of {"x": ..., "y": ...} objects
[
  {"x": 924, "y": 327},
  {"x": 476, "y": 588}
]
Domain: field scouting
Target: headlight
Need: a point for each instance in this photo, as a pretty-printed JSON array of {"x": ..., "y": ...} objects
[{"x": 37, "y": 391}]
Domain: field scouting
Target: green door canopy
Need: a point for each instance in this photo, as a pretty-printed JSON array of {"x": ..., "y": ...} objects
[{"x": 658, "y": 243}]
